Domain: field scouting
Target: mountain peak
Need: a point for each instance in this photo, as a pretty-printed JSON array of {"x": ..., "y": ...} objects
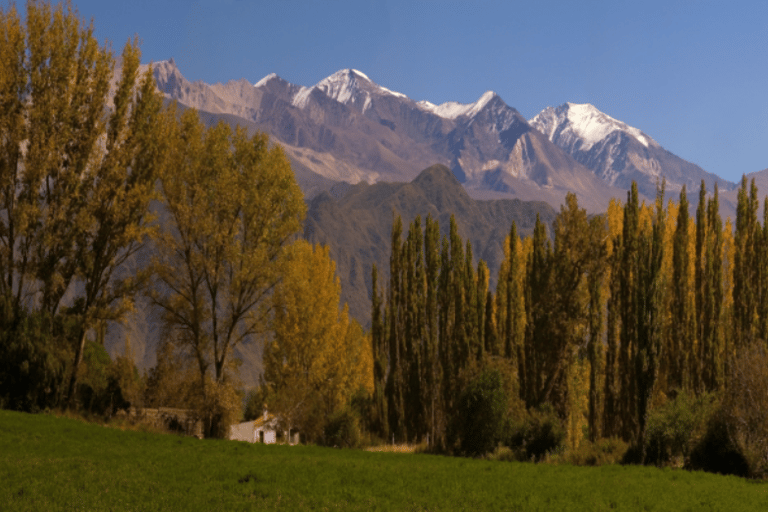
[
  {"x": 437, "y": 173},
  {"x": 453, "y": 109},
  {"x": 585, "y": 121},
  {"x": 264, "y": 81},
  {"x": 345, "y": 86}
]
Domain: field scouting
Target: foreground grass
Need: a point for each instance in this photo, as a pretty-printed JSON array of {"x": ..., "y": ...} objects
[{"x": 49, "y": 463}]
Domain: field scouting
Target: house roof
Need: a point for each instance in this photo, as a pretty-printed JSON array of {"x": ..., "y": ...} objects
[{"x": 265, "y": 420}]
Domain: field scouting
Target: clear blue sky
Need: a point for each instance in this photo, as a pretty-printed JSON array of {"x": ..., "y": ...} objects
[{"x": 691, "y": 74}]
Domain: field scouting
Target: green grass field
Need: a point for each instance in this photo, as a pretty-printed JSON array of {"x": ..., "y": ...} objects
[{"x": 49, "y": 463}]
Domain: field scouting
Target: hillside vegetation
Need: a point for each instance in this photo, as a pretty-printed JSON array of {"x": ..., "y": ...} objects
[{"x": 49, "y": 463}]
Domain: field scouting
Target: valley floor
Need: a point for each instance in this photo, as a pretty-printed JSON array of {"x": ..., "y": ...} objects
[{"x": 49, "y": 463}]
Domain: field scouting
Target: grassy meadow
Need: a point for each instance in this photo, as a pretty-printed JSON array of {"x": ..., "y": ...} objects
[{"x": 49, "y": 463}]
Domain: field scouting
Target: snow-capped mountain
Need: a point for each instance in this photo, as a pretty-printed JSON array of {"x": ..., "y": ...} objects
[
  {"x": 348, "y": 86},
  {"x": 619, "y": 153},
  {"x": 348, "y": 128}
]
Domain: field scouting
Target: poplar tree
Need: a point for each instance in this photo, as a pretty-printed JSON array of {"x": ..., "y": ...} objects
[
  {"x": 471, "y": 324},
  {"x": 536, "y": 289},
  {"x": 700, "y": 288},
  {"x": 712, "y": 298},
  {"x": 612, "y": 404},
  {"x": 650, "y": 288},
  {"x": 513, "y": 339},
  {"x": 595, "y": 346},
  {"x": 480, "y": 299},
  {"x": 457, "y": 279},
  {"x": 317, "y": 358},
  {"x": 628, "y": 272},
  {"x": 231, "y": 205},
  {"x": 610, "y": 416},
  {"x": 431, "y": 366},
  {"x": 415, "y": 328},
  {"x": 77, "y": 172},
  {"x": 762, "y": 256},
  {"x": 745, "y": 266},
  {"x": 682, "y": 359},
  {"x": 380, "y": 423},
  {"x": 395, "y": 379}
]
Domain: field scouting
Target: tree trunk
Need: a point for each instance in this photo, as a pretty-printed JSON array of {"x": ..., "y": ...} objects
[{"x": 73, "y": 378}]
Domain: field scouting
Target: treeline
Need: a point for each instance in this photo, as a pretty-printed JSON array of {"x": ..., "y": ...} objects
[{"x": 602, "y": 322}]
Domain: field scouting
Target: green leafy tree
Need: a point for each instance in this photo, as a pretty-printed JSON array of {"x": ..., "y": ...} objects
[{"x": 482, "y": 408}]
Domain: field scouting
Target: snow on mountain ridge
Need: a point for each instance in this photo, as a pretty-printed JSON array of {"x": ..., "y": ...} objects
[
  {"x": 453, "y": 109},
  {"x": 343, "y": 86},
  {"x": 594, "y": 126},
  {"x": 265, "y": 80},
  {"x": 585, "y": 122}
]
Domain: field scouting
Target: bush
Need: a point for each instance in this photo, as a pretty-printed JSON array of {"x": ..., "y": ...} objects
[
  {"x": 481, "y": 409},
  {"x": 219, "y": 408},
  {"x": 717, "y": 452},
  {"x": 342, "y": 430},
  {"x": 745, "y": 406},
  {"x": 675, "y": 428},
  {"x": 34, "y": 365},
  {"x": 541, "y": 433},
  {"x": 602, "y": 452}
]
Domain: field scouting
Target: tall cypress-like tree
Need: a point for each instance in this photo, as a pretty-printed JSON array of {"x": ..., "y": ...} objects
[
  {"x": 414, "y": 341},
  {"x": 459, "y": 333},
  {"x": 649, "y": 287},
  {"x": 712, "y": 298},
  {"x": 610, "y": 416},
  {"x": 612, "y": 403},
  {"x": 430, "y": 367},
  {"x": 536, "y": 289},
  {"x": 446, "y": 323},
  {"x": 395, "y": 379},
  {"x": 595, "y": 349},
  {"x": 380, "y": 421},
  {"x": 745, "y": 278},
  {"x": 700, "y": 273},
  {"x": 762, "y": 255},
  {"x": 513, "y": 339},
  {"x": 480, "y": 307},
  {"x": 472, "y": 324},
  {"x": 627, "y": 389},
  {"x": 682, "y": 359}
]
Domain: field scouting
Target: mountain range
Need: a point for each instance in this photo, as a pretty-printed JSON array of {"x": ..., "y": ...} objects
[
  {"x": 348, "y": 128},
  {"x": 362, "y": 153}
]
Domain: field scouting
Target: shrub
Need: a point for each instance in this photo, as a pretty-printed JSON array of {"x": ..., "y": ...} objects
[
  {"x": 342, "y": 430},
  {"x": 674, "y": 429},
  {"x": 219, "y": 407},
  {"x": 541, "y": 433},
  {"x": 717, "y": 452},
  {"x": 602, "y": 452},
  {"x": 481, "y": 409},
  {"x": 745, "y": 406}
]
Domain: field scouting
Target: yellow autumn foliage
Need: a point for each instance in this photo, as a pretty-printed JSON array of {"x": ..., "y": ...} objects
[{"x": 318, "y": 357}]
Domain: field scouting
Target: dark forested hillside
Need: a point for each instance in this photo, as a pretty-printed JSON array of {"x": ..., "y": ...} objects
[{"x": 357, "y": 225}]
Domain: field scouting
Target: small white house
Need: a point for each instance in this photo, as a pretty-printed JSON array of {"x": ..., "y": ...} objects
[{"x": 261, "y": 430}]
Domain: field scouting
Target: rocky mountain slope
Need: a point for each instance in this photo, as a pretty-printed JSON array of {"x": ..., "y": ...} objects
[
  {"x": 357, "y": 227},
  {"x": 619, "y": 153},
  {"x": 348, "y": 128}
]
